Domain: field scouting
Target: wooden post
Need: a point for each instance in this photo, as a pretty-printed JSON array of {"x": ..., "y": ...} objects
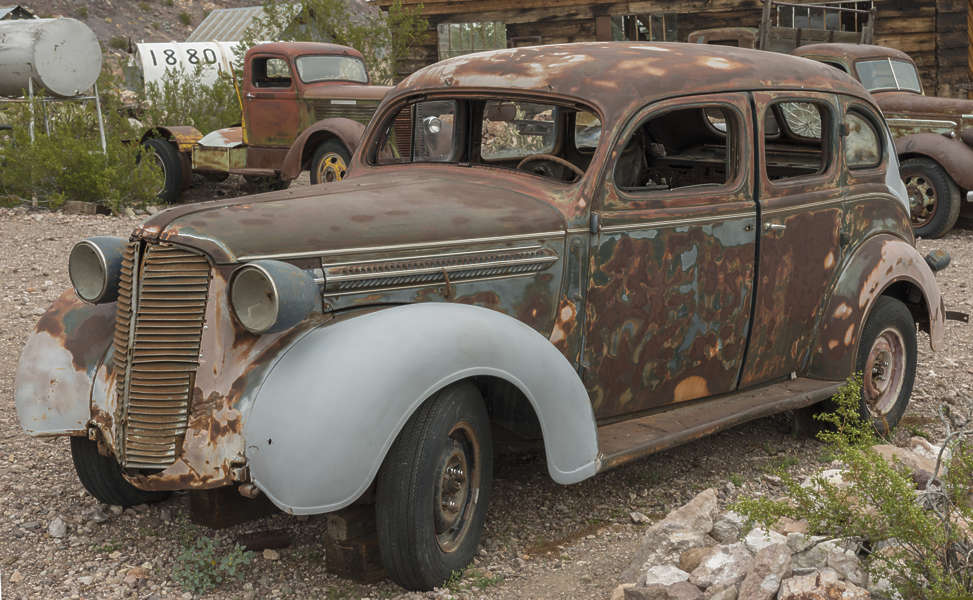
[{"x": 351, "y": 544}]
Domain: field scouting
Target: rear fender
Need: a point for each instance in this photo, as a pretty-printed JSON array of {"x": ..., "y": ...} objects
[
  {"x": 877, "y": 264},
  {"x": 183, "y": 136},
  {"x": 57, "y": 367},
  {"x": 329, "y": 410},
  {"x": 952, "y": 154},
  {"x": 349, "y": 132}
]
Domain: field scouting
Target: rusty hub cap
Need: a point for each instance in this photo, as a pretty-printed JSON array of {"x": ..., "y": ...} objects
[
  {"x": 455, "y": 495},
  {"x": 922, "y": 199},
  {"x": 331, "y": 168},
  {"x": 884, "y": 372}
]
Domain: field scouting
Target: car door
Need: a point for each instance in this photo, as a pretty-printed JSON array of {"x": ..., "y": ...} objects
[
  {"x": 672, "y": 257},
  {"x": 800, "y": 212},
  {"x": 271, "y": 112}
]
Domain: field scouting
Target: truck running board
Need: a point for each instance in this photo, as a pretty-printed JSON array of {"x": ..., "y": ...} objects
[{"x": 622, "y": 442}]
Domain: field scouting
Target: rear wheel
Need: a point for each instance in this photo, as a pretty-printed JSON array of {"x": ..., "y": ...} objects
[
  {"x": 166, "y": 155},
  {"x": 330, "y": 162},
  {"x": 887, "y": 361},
  {"x": 433, "y": 489},
  {"x": 102, "y": 476},
  {"x": 934, "y": 199}
]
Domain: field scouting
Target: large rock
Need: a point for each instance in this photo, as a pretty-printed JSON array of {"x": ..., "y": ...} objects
[
  {"x": 919, "y": 466},
  {"x": 846, "y": 563},
  {"x": 727, "y": 565},
  {"x": 823, "y": 585},
  {"x": 759, "y": 538},
  {"x": 663, "y": 575},
  {"x": 728, "y": 527},
  {"x": 769, "y": 568},
  {"x": 690, "y": 559},
  {"x": 676, "y": 591},
  {"x": 785, "y": 526},
  {"x": 834, "y": 477},
  {"x": 722, "y": 592},
  {"x": 686, "y": 527}
]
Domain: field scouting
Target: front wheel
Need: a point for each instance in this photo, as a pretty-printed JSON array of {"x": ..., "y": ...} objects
[
  {"x": 433, "y": 489},
  {"x": 102, "y": 476},
  {"x": 887, "y": 361},
  {"x": 330, "y": 162},
  {"x": 934, "y": 199}
]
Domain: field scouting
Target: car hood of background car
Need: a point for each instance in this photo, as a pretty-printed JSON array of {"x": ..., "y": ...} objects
[
  {"x": 909, "y": 104},
  {"x": 377, "y": 210}
]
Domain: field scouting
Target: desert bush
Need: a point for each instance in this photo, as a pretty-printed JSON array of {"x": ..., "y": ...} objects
[
  {"x": 918, "y": 541},
  {"x": 68, "y": 163},
  {"x": 202, "y": 565},
  {"x": 181, "y": 98}
]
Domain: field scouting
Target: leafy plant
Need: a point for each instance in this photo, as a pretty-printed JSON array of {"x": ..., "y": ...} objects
[
  {"x": 181, "y": 98},
  {"x": 385, "y": 39},
  {"x": 118, "y": 42},
  {"x": 919, "y": 542},
  {"x": 202, "y": 566},
  {"x": 185, "y": 18}
]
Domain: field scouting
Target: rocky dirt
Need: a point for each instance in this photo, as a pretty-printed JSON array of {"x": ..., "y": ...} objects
[{"x": 541, "y": 541}]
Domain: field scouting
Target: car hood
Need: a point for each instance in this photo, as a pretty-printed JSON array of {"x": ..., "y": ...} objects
[
  {"x": 418, "y": 207},
  {"x": 910, "y": 105}
]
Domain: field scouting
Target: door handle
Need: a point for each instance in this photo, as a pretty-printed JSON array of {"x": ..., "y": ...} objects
[
  {"x": 774, "y": 227},
  {"x": 251, "y": 95}
]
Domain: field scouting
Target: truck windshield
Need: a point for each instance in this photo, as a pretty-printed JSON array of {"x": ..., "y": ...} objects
[
  {"x": 888, "y": 74},
  {"x": 331, "y": 68}
]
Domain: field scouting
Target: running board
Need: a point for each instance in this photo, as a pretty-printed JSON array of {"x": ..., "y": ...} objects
[{"x": 622, "y": 442}]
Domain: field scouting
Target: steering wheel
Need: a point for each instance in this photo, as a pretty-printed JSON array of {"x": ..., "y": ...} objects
[{"x": 551, "y": 158}]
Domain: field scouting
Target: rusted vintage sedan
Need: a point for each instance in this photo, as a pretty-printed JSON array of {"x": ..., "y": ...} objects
[
  {"x": 933, "y": 136},
  {"x": 524, "y": 247}
]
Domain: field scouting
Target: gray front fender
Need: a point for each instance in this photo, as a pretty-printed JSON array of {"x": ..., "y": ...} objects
[{"x": 329, "y": 410}]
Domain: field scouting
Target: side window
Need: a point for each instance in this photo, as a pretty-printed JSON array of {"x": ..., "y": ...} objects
[
  {"x": 587, "y": 131},
  {"x": 679, "y": 149},
  {"x": 863, "y": 146},
  {"x": 420, "y": 132},
  {"x": 799, "y": 144},
  {"x": 271, "y": 72}
]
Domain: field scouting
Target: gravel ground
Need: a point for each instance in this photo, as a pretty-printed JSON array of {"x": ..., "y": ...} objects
[{"x": 541, "y": 541}]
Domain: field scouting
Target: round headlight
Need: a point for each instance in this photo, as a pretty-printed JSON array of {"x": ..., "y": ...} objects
[
  {"x": 269, "y": 295},
  {"x": 94, "y": 266}
]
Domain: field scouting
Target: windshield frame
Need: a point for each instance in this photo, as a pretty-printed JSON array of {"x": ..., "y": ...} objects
[
  {"x": 898, "y": 86},
  {"x": 297, "y": 69}
]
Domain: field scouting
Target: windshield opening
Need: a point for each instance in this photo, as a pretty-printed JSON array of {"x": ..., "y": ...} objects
[
  {"x": 312, "y": 69},
  {"x": 541, "y": 138},
  {"x": 888, "y": 74}
]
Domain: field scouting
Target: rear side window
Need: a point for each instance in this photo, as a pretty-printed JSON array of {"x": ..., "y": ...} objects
[
  {"x": 799, "y": 144},
  {"x": 863, "y": 146}
]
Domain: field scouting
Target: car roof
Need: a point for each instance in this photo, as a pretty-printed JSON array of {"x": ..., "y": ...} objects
[
  {"x": 851, "y": 52},
  {"x": 613, "y": 76},
  {"x": 299, "y": 48}
]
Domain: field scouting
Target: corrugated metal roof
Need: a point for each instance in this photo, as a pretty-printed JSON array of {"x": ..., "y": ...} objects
[
  {"x": 225, "y": 24},
  {"x": 15, "y": 12}
]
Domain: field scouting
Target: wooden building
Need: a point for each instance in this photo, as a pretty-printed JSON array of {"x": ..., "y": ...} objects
[{"x": 933, "y": 32}]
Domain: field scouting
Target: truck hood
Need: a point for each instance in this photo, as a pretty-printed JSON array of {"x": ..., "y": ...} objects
[
  {"x": 326, "y": 90},
  {"x": 395, "y": 208},
  {"x": 909, "y": 105}
]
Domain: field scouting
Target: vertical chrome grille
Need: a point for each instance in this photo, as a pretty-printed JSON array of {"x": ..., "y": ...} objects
[
  {"x": 361, "y": 111},
  {"x": 157, "y": 339}
]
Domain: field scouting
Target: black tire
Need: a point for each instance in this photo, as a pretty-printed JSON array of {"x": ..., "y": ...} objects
[
  {"x": 420, "y": 540},
  {"x": 892, "y": 316},
  {"x": 926, "y": 180},
  {"x": 888, "y": 313},
  {"x": 167, "y": 156},
  {"x": 102, "y": 476},
  {"x": 329, "y": 162}
]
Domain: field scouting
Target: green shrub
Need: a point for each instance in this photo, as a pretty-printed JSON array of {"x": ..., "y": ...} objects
[
  {"x": 202, "y": 565},
  {"x": 69, "y": 163},
  {"x": 185, "y": 18},
  {"x": 182, "y": 99},
  {"x": 927, "y": 551},
  {"x": 118, "y": 42},
  {"x": 82, "y": 12}
]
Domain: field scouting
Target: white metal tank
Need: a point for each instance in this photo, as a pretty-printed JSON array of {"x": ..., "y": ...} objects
[
  {"x": 151, "y": 61},
  {"x": 61, "y": 56}
]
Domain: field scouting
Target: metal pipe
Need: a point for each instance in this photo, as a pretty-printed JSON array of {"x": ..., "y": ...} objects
[{"x": 101, "y": 122}]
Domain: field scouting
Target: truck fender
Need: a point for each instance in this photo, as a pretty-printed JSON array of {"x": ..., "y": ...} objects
[
  {"x": 183, "y": 136},
  {"x": 346, "y": 130},
  {"x": 876, "y": 265},
  {"x": 326, "y": 414},
  {"x": 56, "y": 372},
  {"x": 952, "y": 154}
]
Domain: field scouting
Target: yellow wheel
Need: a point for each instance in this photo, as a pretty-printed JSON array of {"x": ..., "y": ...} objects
[{"x": 329, "y": 163}]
